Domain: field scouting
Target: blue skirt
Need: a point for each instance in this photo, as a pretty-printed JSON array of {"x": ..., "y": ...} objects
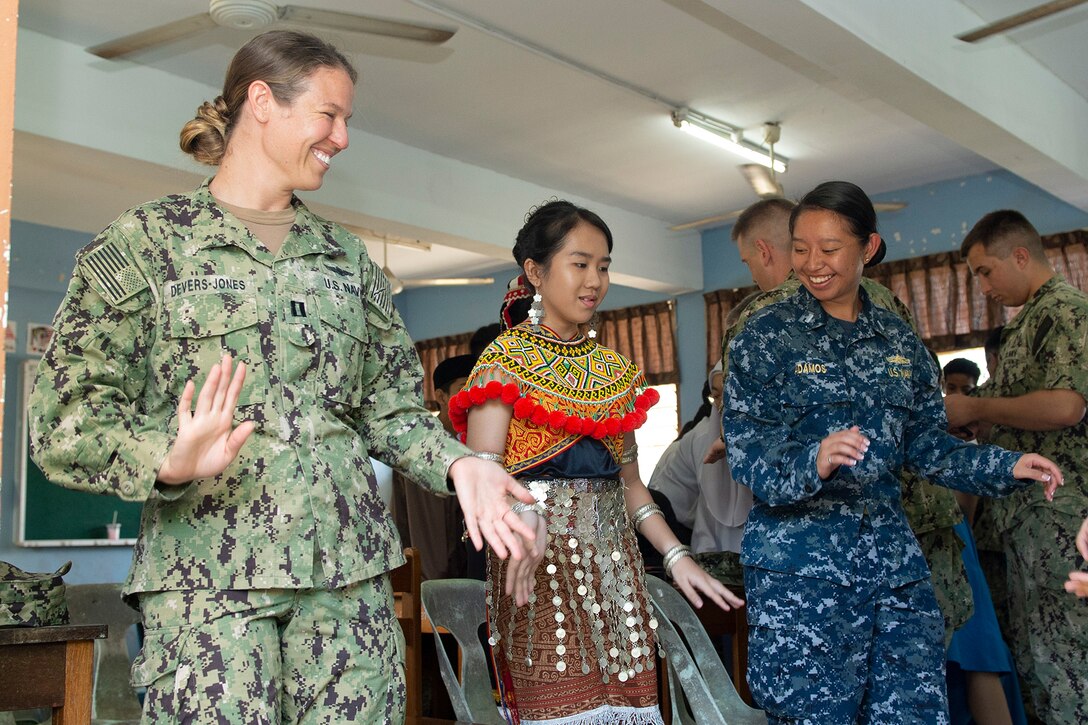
[{"x": 977, "y": 646}]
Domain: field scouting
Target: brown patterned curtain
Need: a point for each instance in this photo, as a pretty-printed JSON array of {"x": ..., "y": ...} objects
[
  {"x": 646, "y": 334},
  {"x": 433, "y": 351},
  {"x": 718, "y": 304},
  {"x": 944, "y": 297},
  {"x": 949, "y": 308}
]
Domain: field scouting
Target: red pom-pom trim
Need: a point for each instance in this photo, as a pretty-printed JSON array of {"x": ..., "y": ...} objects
[
  {"x": 540, "y": 415},
  {"x": 510, "y": 393},
  {"x": 525, "y": 408}
]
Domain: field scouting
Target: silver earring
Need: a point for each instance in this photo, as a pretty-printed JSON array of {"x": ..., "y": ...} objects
[
  {"x": 596, "y": 320},
  {"x": 536, "y": 312}
]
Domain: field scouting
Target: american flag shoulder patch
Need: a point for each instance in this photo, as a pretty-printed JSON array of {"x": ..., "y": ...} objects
[
  {"x": 114, "y": 275},
  {"x": 378, "y": 293}
]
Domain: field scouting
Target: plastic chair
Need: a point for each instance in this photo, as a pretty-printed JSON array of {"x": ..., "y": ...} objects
[
  {"x": 457, "y": 605},
  {"x": 694, "y": 667},
  {"x": 114, "y": 699}
]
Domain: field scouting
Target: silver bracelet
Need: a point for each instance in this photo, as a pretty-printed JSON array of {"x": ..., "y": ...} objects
[
  {"x": 644, "y": 512},
  {"x": 488, "y": 456},
  {"x": 674, "y": 555},
  {"x": 630, "y": 455},
  {"x": 538, "y": 508}
]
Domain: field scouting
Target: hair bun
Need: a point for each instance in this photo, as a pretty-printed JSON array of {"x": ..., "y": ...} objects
[{"x": 215, "y": 112}]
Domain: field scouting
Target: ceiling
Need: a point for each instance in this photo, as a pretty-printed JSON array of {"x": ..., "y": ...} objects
[{"x": 488, "y": 102}]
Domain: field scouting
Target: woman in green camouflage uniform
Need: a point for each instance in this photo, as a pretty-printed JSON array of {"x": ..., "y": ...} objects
[{"x": 261, "y": 568}]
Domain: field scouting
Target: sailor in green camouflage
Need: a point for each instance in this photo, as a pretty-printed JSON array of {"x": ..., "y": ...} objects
[
  {"x": 1036, "y": 401},
  {"x": 932, "y": 512},
  {"x": 261, "y": 567}
]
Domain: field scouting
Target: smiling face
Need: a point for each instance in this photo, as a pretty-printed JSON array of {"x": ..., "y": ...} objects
[
  {"x": 575, "y": 280},
  {"x": 302, "y": 137},
  {"x": 829, "y": 260}
]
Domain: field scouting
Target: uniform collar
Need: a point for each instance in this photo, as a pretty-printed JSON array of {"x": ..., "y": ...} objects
[
  {"x": 1055, "y": 280},
  {"x": 310, "y": 234},
  {"x": 813, "y": 315},
  {"x": 1046, "y": 288}
]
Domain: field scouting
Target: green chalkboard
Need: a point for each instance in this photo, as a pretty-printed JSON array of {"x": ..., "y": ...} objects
[{"x": 49, "y": 515}]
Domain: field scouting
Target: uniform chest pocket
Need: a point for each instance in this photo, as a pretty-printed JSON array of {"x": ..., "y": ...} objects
[
  {"x": 894, "y": 400},
  {"x": 814, "y": 392},
  {"x": 200, "y": 329},
  {"x": 343, "y": 337}
]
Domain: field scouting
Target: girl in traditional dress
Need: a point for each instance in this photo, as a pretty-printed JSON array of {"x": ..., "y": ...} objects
[{"x": 560, "y": 411}]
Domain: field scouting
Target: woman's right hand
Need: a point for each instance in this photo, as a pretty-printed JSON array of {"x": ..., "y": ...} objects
[
  {"x": 521, "y": 573},
  {"x": 843, "y": 447},
  {"x": 207, "y": 440}
]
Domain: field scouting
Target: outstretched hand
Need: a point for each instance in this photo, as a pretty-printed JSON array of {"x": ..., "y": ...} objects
[
  {"x": 207, "y": 440},
  {"x": 692, "y": 579},
  {"x": 483, "y": 490},
  {"x": 521, "y": 573},
  {"x": 1034, "y": 467}
]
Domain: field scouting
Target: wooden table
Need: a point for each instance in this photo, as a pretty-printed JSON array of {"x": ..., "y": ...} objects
[{"x": 49, "y": 667}]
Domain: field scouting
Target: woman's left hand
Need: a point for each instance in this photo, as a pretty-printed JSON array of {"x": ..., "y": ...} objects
[
  {"x": 692, "y": 579},
  {"x": 521, "y": 573},
  {"x": 1034, "y": 467}
]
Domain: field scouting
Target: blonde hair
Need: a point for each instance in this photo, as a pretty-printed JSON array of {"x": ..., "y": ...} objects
[{"x": 284, "y": 59}]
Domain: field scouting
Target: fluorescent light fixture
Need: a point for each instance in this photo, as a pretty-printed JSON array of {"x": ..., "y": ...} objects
[
  {"x": 449, "y": 281},
  {"x": 730, "y": 138}
]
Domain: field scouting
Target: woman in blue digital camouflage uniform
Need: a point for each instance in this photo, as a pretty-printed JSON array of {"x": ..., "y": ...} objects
[
  {"x": 261, "y": 569},
  {"x": 827, "y": 397}
]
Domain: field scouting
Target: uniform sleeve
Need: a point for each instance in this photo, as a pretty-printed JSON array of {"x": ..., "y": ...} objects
[
  {"x": 397, "y": 428},
  {"x": 930, "y": 450},
  {"x": 1061, "y": 340},
  {"x": 763, "y": 454},
  {"x": 88, "y": 430}
]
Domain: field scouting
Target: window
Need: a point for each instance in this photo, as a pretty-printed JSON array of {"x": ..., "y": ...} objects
[
  {"x": 659, "y": 431},
  {"x": 977, "y": 355}
]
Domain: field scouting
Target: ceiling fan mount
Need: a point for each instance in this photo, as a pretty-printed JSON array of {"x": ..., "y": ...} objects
[{"x": 243, "y": 14}]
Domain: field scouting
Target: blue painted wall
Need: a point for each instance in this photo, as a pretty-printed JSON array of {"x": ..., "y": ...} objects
[{"x": 937, "y": 217}]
